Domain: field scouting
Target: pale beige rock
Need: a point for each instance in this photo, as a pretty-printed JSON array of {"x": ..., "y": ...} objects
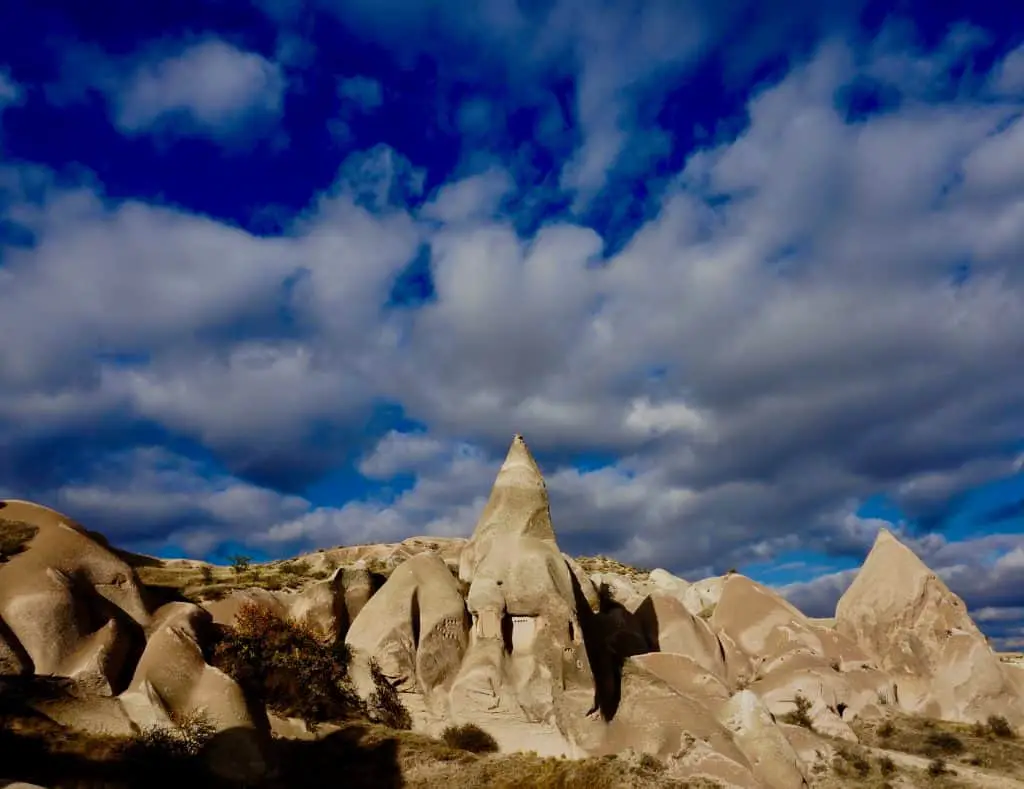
[
  {"x": 908, "y": 620},
  {"x": 415, "y": 625},
  {"x": 670, "y": 627},
  {"x": 71, "y": 605},
  {"x": 172, "y": 681},
  {"x": 90, "y": 713},
  {"x": 654, "y": 718},
  {"x": 585, "y": 584},
  {"x": 773, "y": 760},
  {"x": 685, "y": 676},
  {"x": 526, "y": 659}
]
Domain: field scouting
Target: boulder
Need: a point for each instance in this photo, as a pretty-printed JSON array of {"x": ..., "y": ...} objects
[
  {"x": 415, "y": 626},
  {"x": 173, "y": 681},
  {"x": 69, "y": 605}
]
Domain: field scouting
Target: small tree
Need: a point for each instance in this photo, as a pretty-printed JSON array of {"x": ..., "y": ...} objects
[
  {"x": 206, "y": 573},
  {"x": 240, "y": 563},
  {"x": 288, "y": 666},
  {"x": 386, "y": 705},
  {"x": 801, "y": 715}
]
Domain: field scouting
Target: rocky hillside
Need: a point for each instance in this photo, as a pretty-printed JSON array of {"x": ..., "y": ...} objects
[{"x": 717, "y": 682}]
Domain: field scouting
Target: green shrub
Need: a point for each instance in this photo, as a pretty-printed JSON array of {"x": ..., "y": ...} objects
[
  {"x": 801, "y": 715},
  {"x": 170, "y": 749},
  {"x": 386, "y": 705},
  {"x": 937, "y": 768},
  {"x": 469, "y": 737},
  {"x": 206, "y": 573},
  {"x": 290, "y": 667},
  {"x": 1000, "y": 727},
  {"x": 240, "y": 563},
  {"x": 944, "y": 742}
]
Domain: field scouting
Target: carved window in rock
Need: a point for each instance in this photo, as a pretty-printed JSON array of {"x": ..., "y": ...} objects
[
  {"x": 449, "y": 628},
  {"x": 519, "y": 633}
]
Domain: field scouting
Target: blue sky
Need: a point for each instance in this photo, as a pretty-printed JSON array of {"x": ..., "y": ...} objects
[{"x": 278, "y": 276}]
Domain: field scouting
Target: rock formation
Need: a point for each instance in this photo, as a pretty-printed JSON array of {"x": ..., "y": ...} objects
[
  {"x": 919, "y": 632},
  {"x": 505, "y": 631}
]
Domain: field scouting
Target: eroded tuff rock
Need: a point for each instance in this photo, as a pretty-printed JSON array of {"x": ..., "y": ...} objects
[
  {"x": 71, "y": 608},
  {"x": 415, "y": 626},
  {"x": 505, "y": 631},
  {"x": 526, "y": 656},
  {"x": 919, "y": 632},
  {"x": 68, "y": 605}
]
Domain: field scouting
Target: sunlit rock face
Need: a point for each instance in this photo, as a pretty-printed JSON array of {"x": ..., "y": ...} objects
[
  {"x": 69, "y": 606},
  {"x": 919, "y": 632},
  {"x": 526, "y": 644}
]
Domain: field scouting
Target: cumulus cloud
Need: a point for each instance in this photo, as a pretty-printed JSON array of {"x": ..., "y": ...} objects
[
  {"x": 822, "y": 306},
  {"x": 211, "y": 87},
  {"x": 205, "y": 87}
]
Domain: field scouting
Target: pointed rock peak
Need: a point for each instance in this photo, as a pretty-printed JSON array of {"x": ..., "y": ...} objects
[
  {"x": 519, "y": 455},
  {"x": 890, "y": 551},
  {"x": 518, "y": 503}
]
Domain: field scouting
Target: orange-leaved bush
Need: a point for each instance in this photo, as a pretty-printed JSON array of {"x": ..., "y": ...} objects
[{"x": 290, "y": 667}]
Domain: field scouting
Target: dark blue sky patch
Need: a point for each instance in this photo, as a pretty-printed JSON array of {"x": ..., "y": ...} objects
[{"x": 414, "y": 285}]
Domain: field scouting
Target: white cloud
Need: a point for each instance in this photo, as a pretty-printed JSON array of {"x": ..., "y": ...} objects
[
  {"x": 1008, "y": 76},
  {"x": 475, "y": 197},
  {"x": 208, "y": 88},
  {"x": 793, "y": 287}
]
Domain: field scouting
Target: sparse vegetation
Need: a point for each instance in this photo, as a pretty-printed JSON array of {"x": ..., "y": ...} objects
[
  {"x": 886, "y": 766},
  {"x": 14, "y": 537},
  {"x": 470, "y": 737},
  {"x": 605, "y": 564},
  {"x": 849, "y": 761},
  {"x": 240, "y": 563},
  {"x": 158, "y": 746},
  {"x": 937, "y": 768},
  {"x": 998, "y": 726},
  {"x": 944, "y": 742},
  {"x": 288, "y": 666},
  {"x": 206, "y": 574},
  {"x": 386, "y": 705},
  {"x": 976, "y": 745},
  {"x": 801, "y": 715}
]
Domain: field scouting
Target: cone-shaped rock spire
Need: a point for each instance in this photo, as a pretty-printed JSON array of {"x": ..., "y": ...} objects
[
  {"x": 906, "y": 617},
  {"x": 519, "y": 499}
]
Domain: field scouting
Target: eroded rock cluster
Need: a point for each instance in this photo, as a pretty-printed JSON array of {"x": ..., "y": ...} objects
[{"x": 507, "y": 632}]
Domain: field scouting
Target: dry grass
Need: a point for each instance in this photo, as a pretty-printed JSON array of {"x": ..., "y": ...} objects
[
  {"x": 358, "y": 754},
  {"x": 529, "y": 771},
  {"x": 211, "y": 582},
  {"x": 605, "y": 564},
  {"x": 14, "y": 537},
  {"x": 954, "y": 743}
]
